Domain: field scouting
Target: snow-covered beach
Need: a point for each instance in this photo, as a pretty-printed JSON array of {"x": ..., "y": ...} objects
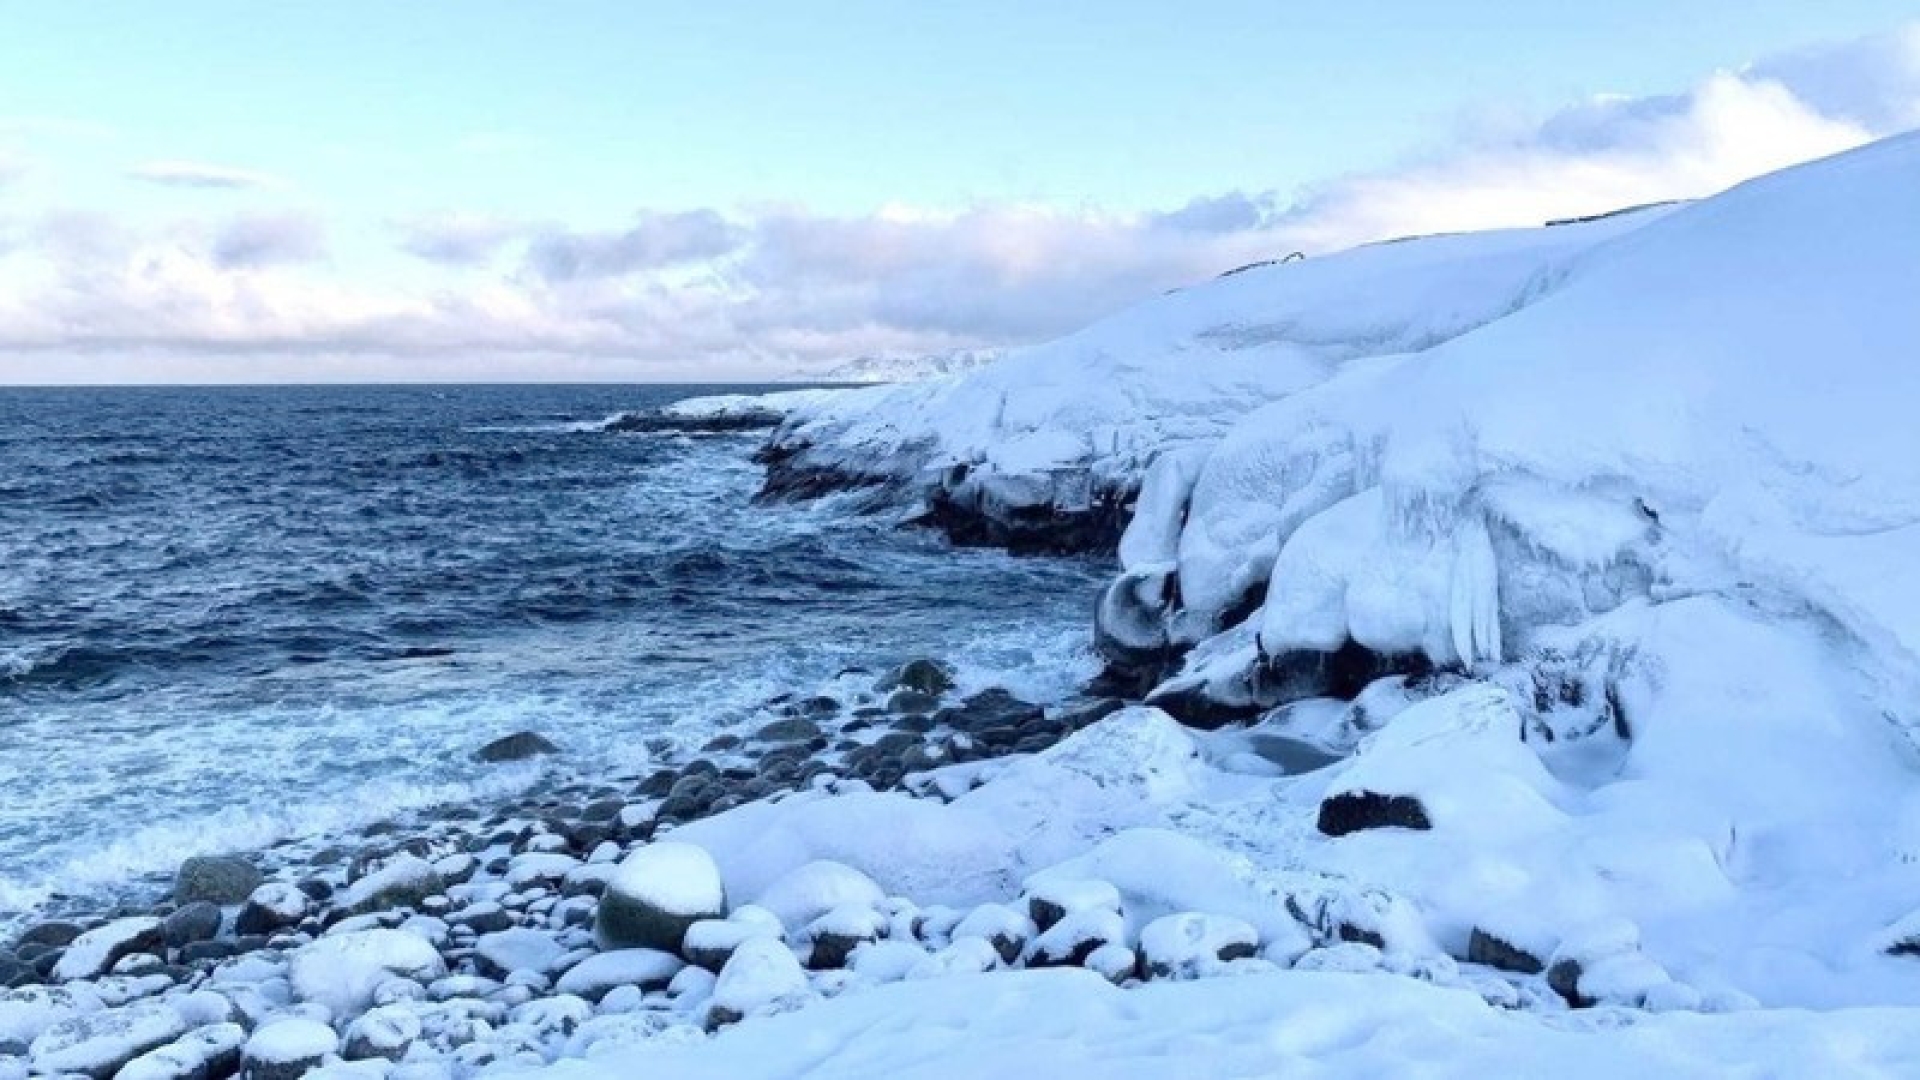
[{"x": 1511, "y": 665}]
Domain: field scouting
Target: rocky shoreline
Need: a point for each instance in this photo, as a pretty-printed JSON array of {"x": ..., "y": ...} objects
[{"x": 461, "y": 936}]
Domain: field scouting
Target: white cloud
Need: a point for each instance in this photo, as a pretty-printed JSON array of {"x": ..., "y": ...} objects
[
  {"x": 707, "y": 291},
  {"x": 200, "y": 174}
]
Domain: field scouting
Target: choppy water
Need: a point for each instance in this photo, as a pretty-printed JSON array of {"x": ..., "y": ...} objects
[{"x": 231, "y": 615}]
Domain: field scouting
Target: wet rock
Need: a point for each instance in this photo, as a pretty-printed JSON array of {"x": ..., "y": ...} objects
[
  {"x": 273, "y": 906},
  {"x": 192, "y": 922},
  {"x": 989, "y": 709},
  {"x": 56, "y": 935},
  {"x": 925, "y": 676},
  {"x": 518, "y": 746},
  {"x": 215, "y": 879},
  {"x": 788, "y": 730},
  {"x": 914, "y": 702},
  {"x": 1354, "y": 811}
]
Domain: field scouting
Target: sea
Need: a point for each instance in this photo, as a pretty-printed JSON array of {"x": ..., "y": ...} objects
[{"x": 234, "y": 616}]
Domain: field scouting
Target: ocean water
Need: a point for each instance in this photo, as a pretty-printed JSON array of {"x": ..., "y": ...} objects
[{"x": 230, "y": 616}]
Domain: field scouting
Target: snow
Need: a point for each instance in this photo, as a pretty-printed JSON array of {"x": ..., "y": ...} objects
[
  {"x": 342, "y": 971},
  {"x": 677, "y": 878},
  {"x": 286, "y": 1042},
  {"x": 98, "y": 1043},
  {"x": 195, "y": 1054},
  {"x": 520, "y": 949},
  {"x": 94, "y": 952},
  {"x": 761, "y": 976},
  {"x": 816, "y": 889},
  {"x": 597, "y": 974}
]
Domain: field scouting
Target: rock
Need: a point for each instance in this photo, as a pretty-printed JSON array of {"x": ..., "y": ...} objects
[
  {"x": 504, "y": 952},
  {"x": 833, "y": 937},
  {"x": 1113, "y": 962},
  {"x": 1051, "y": 898},
  {"x": 990, "y": 709},
  {"x": 709, "y": 942},
  {"x": 28, "y": 1011},
  {"x": 194, "y": 922},
  {"x": 762, "y": 976},
  {"x": 911, "y": 701},
  {"x": 1352, "y": 811},
  {"x": 657, "y": 893},
  {"x": 1005, "y": 929},
  {"x": 342, "y": 971},
  {"x": 208, "y": 1053},
  {"x": 811, "y": 891},
  {"x": 1193, "y": 945},
  {"x": 94, "y": 953},
  {"x": 286, "y": 1049},
  {"x": 485, "y": 917},
  {"x": 273, "y": 906},
  {"x": 98, "y": 1044},
  {"x": 383, "y": 1032},
  {"x": 1485, "y": 948},
  {"x": 923, "y": 676},
  {"x": 403, "y": 881},
  {"x": 592, "y": 978},
  {"x": 57, "y": 935},
  {"x": 215, "y": 879},
  {"x": 518, "y": 746},
  {"x": 1071, "y": 940},
  {"x": 790, "y": 729}
]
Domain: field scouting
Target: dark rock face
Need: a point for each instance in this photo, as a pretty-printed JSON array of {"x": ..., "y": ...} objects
[
  {"x": 215, "y": 879},
  {"x": 193, "y": 922},
  {"x": 56, "y": 935},
  {"x": 929, "y": 677},
  {"x": 1495, "y": 952},
  {"x": 1342, "y": 673},
  {"x": 519, "y": 746},
  {"x": 726, "y": 423},
  {"x": 1563, "y": 978},
  {"x": 1353, "y": 811},
  {"x": 1041, "y": 530},
  {"x": 994, "y": 708}
]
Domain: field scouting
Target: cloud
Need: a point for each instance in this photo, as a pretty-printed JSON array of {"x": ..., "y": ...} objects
[
  {"x": 728, "y": 291},
  {"x": 201, "y": 175},
  {"x": 654, "y": 241},
  {"x": 256, "y": 240},
  {"x": 457, "y": 239}
]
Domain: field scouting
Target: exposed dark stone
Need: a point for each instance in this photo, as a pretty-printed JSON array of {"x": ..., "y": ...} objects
[
  {"x": 657, "y": 784},
  {"x": 1192, "y": 705},
  {"x": 1342, "y": 673},
  {"x": 215, "y": 879},
  {"x": 788, "y": 730},
  {"x": 720, "y": 743},
  {"x": 923, "y": 676},
  {"x": 55, "y": 934},
  {"x": 1353, "y": 811},
  {"x": 1495, "y": 952},
  {"x": 1563, "y": 978},
  {"x": 193, "y": 922},
  {"x": 911, "y": 701},
  {"x": 722, "y": 423},
  {"x": 519, "y": 746},
  {"x": 602, "y": 809},
  {"x": 1347, "y": 931},
  {"x": 1075, "y": 716},
  {"x": 990, "y": 709}
]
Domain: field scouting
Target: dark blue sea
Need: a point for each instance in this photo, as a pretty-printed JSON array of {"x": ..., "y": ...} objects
[{"x": 230, "y": 616}]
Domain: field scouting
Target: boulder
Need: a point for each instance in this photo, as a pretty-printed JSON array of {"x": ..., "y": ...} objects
[
  {"x": 813, "y": 890},
  {"x": 518, "y": 746},
  {"x": 193, "y": 922},
  {"x": 94, "y": 953},
  {"x": 286, "y": 1049},
  {"x": 762, "y": 976},
  {"x": 342, "y": 970},
  {"x": 273, "y": 906},
  {"x": 98, "y": 1044},
  {"x": 923, "y": 676},
  {"x": 403, "y": 881},
  {"x": 656, "y": 894},
  {"x": 592, "y": 978},
  {"x": 1486, "y": 948},
  {"x": 207, "y": 1053},
  {"x": 383, "y": 1032},
  {"x": 215, "y": 879},
  {"x": 1192, "y": 945}
]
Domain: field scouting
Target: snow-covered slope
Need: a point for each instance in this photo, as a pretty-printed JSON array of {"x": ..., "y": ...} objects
[
  {"x": 1067, "y": 426},
  {"x": 907, "y": 367}
]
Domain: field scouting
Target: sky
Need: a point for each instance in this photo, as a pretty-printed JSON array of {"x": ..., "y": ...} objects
[{"x": 228, "y": 191}]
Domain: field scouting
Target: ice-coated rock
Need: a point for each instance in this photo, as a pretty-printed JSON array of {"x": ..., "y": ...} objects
[
  {"x": 382, "y": 1032},
  {"x": 658, "y": 892},
  {"x": 1005, "y": 929},
  {"x": 504, "y": 952}
]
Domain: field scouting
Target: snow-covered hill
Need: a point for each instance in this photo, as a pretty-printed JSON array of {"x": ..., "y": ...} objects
[{"x": 906, "y": 367}]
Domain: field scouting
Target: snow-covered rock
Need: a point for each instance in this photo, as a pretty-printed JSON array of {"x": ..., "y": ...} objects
[
  {"x": 817, "y": 888},
  {"x": 1192, "y": 944},
  {"x": 761, "y": 976},
  {"x": 649, "y": 969},
  {"x": 94, "y": 953},
  {"x": 342, "y": 971},
  {"x": 657, "y": 893},
  {"x": 286, "y": 1049},
  {"x": 203, "y": 1054},
  {"x": 98, "y": 1044}
]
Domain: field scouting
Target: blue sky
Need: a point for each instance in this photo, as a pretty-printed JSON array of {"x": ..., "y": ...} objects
[{"x": 629, "y": 190}]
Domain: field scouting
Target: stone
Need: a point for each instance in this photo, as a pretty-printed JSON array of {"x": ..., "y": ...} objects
[
  {"x": 215, "y": 879},
  {"x": 656, "y": 894},
  {"x": 98, "y": 1044},
  {"x": 403, "y": 881},
  {"x": 57, "y": 935},
  {"x": 593, "y": 977},
  {"x": 385, "y": 1031},
  {"x": 193, "y": 922},
  {"x": 1353, "y": 811},
  {"x": 761, "y": 976},
  {"x": 518, "y": 746},
  {"x": 1190, "y": 945},
  {"x": 94, "y": 953},
  {"x": 911, "y": 701},
  {"x": 791, "y": 729},
  {"x": 208, "y": 1053},
  {"x": 344, "y": 970},
  {"x": 500, "y": 954},
  {"x": 286, "y": 1049},
  {"x": 923, "y": 675},
  {"x": 1496, "y": 952}
]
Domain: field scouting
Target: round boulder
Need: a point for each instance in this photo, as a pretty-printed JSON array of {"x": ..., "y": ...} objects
[
  {"x": 215, "y": 879},
  {"x": 656, "y": 894}
]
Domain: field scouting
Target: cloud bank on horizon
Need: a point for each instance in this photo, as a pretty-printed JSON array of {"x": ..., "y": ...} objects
[{"x": 730, "y": 292}]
